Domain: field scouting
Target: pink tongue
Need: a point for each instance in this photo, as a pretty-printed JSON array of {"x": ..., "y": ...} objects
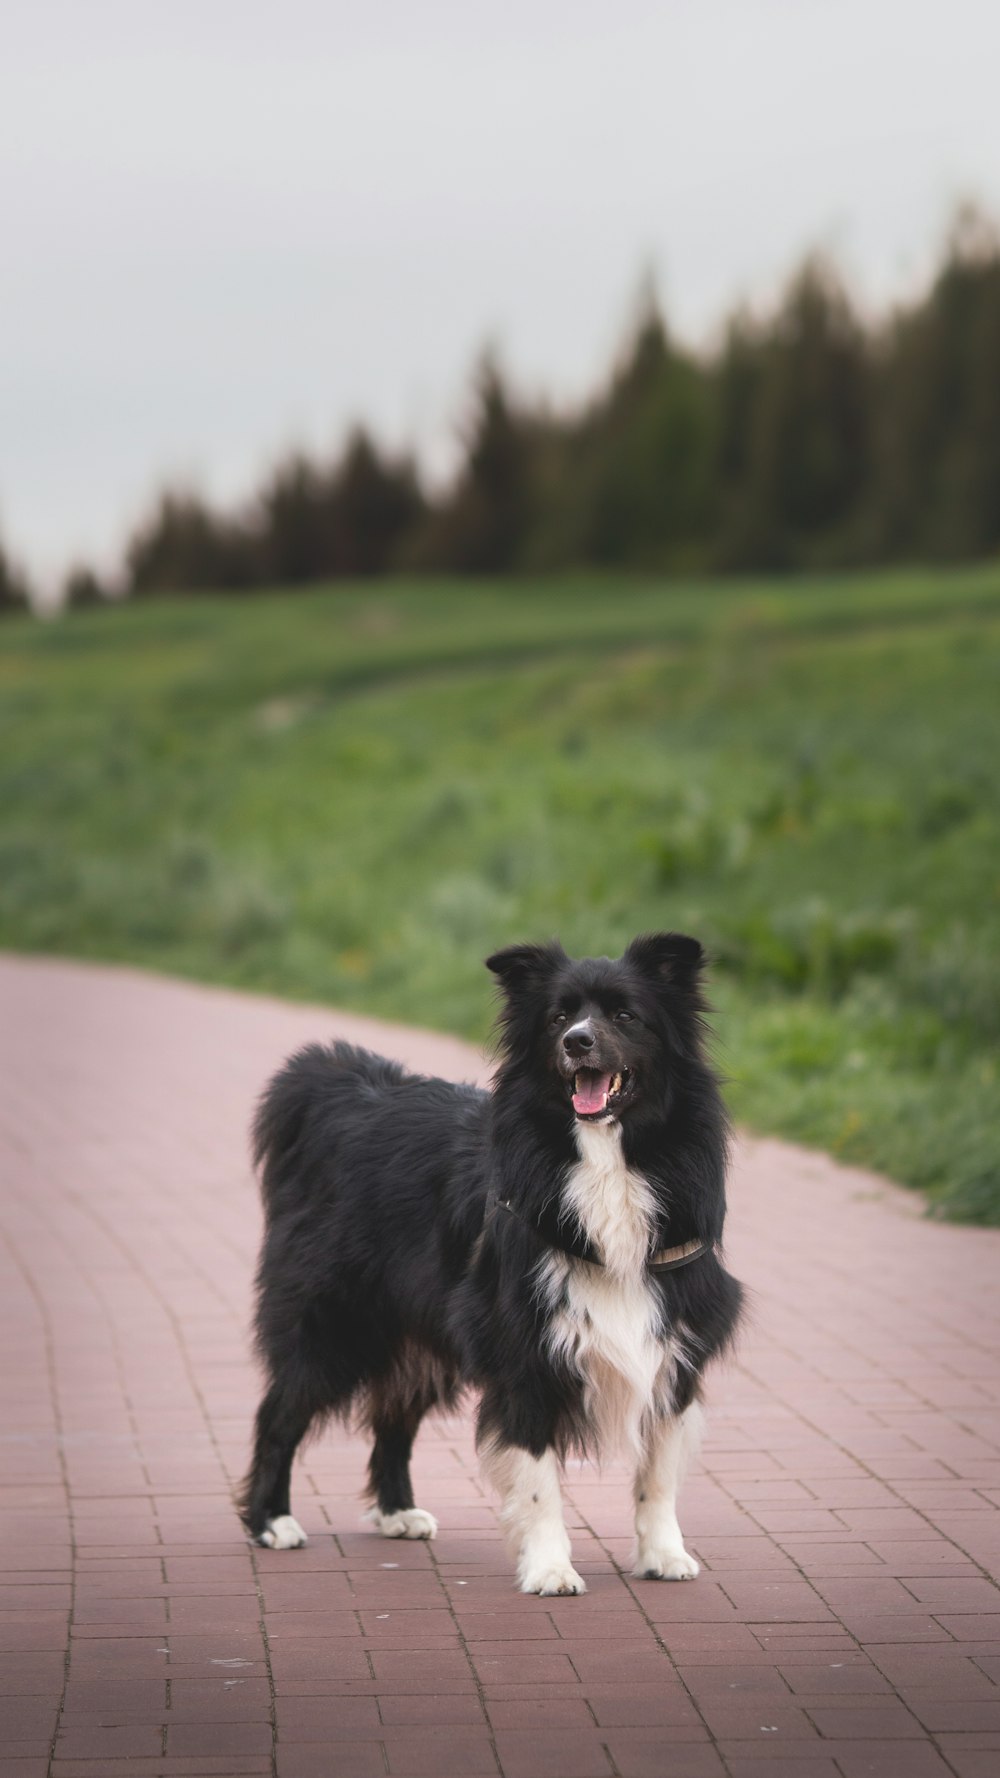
[{"x": 592, "y": 1092}]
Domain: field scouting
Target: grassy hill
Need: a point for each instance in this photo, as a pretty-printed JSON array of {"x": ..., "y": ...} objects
[{"x": 352, "y": 794}]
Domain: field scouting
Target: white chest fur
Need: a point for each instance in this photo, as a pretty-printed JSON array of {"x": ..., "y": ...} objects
[{"x": 606, "y": 1321}]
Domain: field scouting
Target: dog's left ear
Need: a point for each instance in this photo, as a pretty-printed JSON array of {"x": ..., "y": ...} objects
[
  {"x": 524, "y": 966},
  {"x": 671, "y": 958}
]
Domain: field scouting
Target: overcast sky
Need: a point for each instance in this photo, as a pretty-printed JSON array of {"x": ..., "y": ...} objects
[{"x": 231, "y": 225}]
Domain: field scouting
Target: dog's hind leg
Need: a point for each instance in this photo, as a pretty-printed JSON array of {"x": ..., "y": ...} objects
[
  {"x": 282, "y": 1422},
  {"x": 397, "y": 1405},
  {"x": 660, "y": 1552}
]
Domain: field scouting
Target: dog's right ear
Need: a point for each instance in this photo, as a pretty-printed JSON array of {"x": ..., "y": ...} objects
[{"x": 525, "y": 966}]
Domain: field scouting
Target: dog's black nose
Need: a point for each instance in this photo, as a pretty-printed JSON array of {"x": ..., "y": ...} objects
[{"x": 579, "y": 1040}]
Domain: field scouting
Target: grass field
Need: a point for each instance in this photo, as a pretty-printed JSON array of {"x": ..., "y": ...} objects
[{"x": 353, "y": 794}]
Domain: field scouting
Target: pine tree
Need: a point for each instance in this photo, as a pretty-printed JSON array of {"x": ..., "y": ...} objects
[
  {"x": 183, "y": 546},
  {"x": 14, "y": 591},
  {"x": 808, "y": 450},
  {"x": 482, "y": 526}
]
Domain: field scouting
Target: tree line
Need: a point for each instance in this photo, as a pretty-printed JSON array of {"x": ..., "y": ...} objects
[{"x": 807, "y": 438}]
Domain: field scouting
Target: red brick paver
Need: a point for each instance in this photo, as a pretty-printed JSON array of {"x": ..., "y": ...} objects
[{"x": 845, "y": 1509}]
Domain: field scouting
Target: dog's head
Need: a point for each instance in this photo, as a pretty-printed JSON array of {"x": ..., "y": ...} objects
[{"x": 602, "y": 1035}]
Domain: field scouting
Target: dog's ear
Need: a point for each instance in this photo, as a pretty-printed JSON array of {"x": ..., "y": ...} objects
[
  {"x": 671, "y": 958},
  {"x": 525, "y": 966}
]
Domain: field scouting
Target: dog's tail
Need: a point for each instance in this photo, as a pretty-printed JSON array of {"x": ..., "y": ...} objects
[{"x": 297, "y": 1118}]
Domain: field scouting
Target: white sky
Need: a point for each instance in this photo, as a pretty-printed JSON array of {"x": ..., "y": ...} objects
[{"x": 231, "y": 225}]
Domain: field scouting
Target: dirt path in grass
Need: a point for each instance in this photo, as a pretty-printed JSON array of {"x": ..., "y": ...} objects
[{"x": 844, "y": 1509}]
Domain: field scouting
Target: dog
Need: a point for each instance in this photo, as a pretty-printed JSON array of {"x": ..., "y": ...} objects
[{"x": 554, "y": 1243}]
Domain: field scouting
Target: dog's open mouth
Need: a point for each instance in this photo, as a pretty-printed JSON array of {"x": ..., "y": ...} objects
[{"x": 595, "y": 1094}]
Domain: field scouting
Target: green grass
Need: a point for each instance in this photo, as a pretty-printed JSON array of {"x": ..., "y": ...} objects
[{"x": 353, "y": 794}]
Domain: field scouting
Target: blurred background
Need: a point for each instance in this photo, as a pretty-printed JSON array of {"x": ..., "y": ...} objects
[{"x": 473, "y": 474}]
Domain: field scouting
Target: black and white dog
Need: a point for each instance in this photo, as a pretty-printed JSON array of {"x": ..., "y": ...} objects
[{"x": 554, "y": 1244}]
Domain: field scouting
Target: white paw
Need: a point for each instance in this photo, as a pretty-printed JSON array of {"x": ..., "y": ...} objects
[
  {"x": 561, "y": 1579},
  {"x": 672, "y": 1563},
  {"x": 283, "y": 1533},
  {"x": 412, "y": 1521}
]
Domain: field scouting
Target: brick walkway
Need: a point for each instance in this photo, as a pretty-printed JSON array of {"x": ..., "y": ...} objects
[{"x": 845, "y": 1509}]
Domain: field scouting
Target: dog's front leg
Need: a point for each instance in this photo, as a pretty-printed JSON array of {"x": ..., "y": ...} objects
[
  {"x": 532, "y": 1517},
  {"x": 660, "y": 1552}
]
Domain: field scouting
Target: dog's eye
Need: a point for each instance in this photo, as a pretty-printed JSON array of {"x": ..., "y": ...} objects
[
  {"x": 556, "y": 1020},
  {"x": 623, "y": 1017}
]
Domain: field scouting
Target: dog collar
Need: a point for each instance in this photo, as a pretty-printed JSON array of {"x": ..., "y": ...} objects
[
  {"x": 665, "y": 1259},
  {"x": 669, "y": 1258}
]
